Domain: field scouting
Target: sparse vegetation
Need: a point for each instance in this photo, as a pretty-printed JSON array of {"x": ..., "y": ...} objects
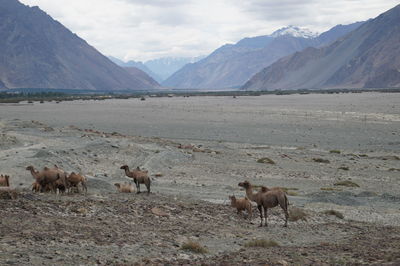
[
  {"x": 321, "y": 160},
  {"x": 346, "y": 183},
  {"x": 266, "y": 160},
  {"x": 335, "y": 151},
  {"x": 345, "y": 168},
  {"x": 296, "y": 214},
  {"x": 194, "y": 247},
  {"x": 330, "y": 189},
  {"x": 335, "y": 213},
  {"x": 292, "y": 193},
  {"x": 263, "y": 243}
]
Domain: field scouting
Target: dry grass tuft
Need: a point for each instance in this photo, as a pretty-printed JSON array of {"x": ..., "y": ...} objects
[
  {"x": 330, "y": 189},
  {"x": 266, "y": 160},
  {"x": 335, "y": 213},
  {"x": 346, "y": 183},
  {"x": 263, "y": 243},
  {"x": 292, "y": 193},
  {"x": 194, "y": 247},
  {"x": 320, "y": 160},
  {"x": 296, "y": 214}
]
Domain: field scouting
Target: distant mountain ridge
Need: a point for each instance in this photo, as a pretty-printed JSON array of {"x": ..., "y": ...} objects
[
  {"x": 160, "y": 68},
  {"x": 368, "y": 57},
  {"x": 39, "y": 52},
  {"x": 231, "y": 65},
  {"x": 137, "y": 64}
]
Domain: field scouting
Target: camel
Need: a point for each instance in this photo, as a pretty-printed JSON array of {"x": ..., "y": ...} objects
[
  {"x": 48, "y": 177},
  {"x": 73, "y": 180},
  {"x": 267, "y": 198},
  {"x": 139, "y": 177},
  {"x": 4, "y": 181},
  {"x": 124, "y": 188},
  {"x": 241, "y": 205}
]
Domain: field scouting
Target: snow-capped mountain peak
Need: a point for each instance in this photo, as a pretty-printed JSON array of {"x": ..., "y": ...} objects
[{"x": 295, "y": 32}]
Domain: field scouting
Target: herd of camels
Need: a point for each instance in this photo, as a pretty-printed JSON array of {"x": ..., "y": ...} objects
[{"x": 56, "y": 179}]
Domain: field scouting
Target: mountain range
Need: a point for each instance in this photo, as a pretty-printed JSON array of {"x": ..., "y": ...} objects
[
  {"x": 160, "y": 68},
  {"x": 231, "y": 65},
  {"x": 368, "y": 57},
  {"x": 39, "y": 52}
]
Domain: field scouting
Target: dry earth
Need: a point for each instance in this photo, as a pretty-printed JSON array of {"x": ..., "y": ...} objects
[{"x": 189, "y": 201}]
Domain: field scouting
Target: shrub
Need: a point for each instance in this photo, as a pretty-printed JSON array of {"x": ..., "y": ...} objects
[
  {"x": 263, "y": 243},
  {"x": 194, "y": 247},
  {"x": 335, "y": 151},
  {"x": 345, "y": 168},
  {"x": 346, "y": 183},
  {"x": 265, "y": 160},
  {"x": 320, "y": 160},
  {"x": 296, "y": 214},
  {"x": 335, "y": 213}
]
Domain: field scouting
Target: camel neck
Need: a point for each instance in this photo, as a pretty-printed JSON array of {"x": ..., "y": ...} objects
[
  {"x": 249, "y": 193},
  {"x": 127, "y": 171}
]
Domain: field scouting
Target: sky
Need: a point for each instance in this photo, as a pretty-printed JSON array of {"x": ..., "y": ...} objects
[{"x": 142, "y": 30}]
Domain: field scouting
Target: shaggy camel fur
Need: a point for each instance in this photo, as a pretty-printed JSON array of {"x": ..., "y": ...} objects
[
  {"x": 4, "y": 181},
  {"x": 73, "y": 180},
  {"x": 124, "y": 188},
  {"x": 138, "y": 176},
  {"x": 241, "y": 205},
  {"x": 47, "y": 177},
  {"x": 267, "y": 198}
]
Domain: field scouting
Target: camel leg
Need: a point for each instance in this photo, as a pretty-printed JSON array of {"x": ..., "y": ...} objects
[
  {"x": 137, "y": 188},
  {"x": 261, "y": 216},
  {"x": 266, "y": 215},
  {"x": 84, "y": 187},
  {"x": 148, "y": 189},
  {"x": 249, "y": 213}
]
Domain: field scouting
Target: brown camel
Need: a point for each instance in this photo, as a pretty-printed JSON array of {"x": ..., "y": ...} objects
[
  {"x": 73, "y": 180},
  {"x": 241, "y": 205},
  {"x": 267, "y": 198},
  {"x": 139, "y": 177},
  {"x": 47, "y": 178},
  {"x": 4, "y": 181}
]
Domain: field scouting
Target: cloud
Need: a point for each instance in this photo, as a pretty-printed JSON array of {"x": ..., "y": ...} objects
[{"x": 143, "y": 30}]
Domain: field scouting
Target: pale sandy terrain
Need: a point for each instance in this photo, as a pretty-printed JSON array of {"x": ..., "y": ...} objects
[{"x": 192, "y": 187}]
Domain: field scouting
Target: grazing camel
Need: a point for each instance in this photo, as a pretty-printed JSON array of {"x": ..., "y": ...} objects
[
  {"x": 73, "y": 180},
  {"x": 139, "y": 177},
  {"x": 4, "y": 181},
  {"x": 241, "y": 205},
  {"x": 267, "y": 198},
  {"x": 47, "y": 177},
  {"x": 124, "y": 188}
]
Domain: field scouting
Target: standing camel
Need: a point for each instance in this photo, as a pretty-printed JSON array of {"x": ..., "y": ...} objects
[
  {"x": 138, "y": 176},
  {"x": 267, "y": 198}
]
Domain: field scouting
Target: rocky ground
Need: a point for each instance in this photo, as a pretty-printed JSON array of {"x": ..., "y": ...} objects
[{"x": 191, "y": 182}]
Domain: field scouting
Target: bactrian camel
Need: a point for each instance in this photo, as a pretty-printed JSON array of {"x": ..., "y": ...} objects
[
  {"x": 267, "y": 198},
  {"x": 139, "y": 177}
]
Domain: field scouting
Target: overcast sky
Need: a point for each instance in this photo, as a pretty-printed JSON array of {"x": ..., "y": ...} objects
[{"x": 148, "y": 29}]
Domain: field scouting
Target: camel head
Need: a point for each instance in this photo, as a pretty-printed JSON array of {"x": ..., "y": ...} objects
[
  {"x": 246, "y": 184},
  {"x": 124, "y": 167},
  {"x": 118, "y": 185},
  {"x": 30, "y": 168}
]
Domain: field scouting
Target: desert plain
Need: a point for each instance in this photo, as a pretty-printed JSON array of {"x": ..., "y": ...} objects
[{"x": 337, "y": 156}]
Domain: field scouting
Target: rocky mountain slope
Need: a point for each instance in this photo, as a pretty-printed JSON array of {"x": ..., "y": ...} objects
[
  {"x": 39, "y": 52},
  {"x": 233, "y": 64},
  {"x": 368, "y": 57}
]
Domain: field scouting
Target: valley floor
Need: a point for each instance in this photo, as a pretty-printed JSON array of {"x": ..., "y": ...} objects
[{"x": 191, "y": 182}]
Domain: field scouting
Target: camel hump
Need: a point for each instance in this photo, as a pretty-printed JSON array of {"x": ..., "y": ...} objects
[{"x": 264, "y": 189}]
